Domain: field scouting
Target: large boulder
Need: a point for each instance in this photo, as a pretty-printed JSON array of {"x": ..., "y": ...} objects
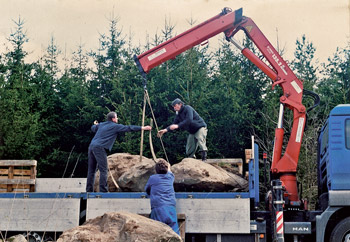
[
  {"x": 193, "y": 175},
  {"x": 16, "y": 238},
  {"x": 135, "y": 179},
  {"x": 120, "y": 226},
  {"x": 118, "y": 164},
  {"x": 131, "y": 175}
]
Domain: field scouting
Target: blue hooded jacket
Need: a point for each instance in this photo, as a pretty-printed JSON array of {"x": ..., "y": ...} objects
[{"x": 107, "y": 132}]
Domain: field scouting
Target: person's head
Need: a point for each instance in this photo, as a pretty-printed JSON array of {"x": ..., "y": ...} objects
[
  {"x": 162, "y": 166},
  {"x": 112, "y": 116},
  {"x": 177, "y": 104}
]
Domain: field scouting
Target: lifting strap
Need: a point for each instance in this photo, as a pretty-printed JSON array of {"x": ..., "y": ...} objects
[
  {"x": 115, "y": 183},
  {"x": 150, "y": 141},
  {"x": 143, "y": 124},
  {"x": 146, "y": 98}
]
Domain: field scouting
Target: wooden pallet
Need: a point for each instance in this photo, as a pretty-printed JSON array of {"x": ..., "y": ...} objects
[
  {"x": 248, "y": 156},
  {"x": 17, "y": 175}
]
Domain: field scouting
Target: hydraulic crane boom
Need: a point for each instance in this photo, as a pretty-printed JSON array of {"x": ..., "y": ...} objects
[{"x": 230, "y": 22}]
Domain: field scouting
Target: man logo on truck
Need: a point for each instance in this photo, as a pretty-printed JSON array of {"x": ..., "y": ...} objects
[{"x": 300, "y": 229}]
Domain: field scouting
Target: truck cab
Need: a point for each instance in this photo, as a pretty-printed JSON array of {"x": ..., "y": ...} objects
[
  {"x": 334, "y": 150},
  {"x": 334, "y": 176}
]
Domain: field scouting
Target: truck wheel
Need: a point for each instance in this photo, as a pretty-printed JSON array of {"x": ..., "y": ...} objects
[
  {"x": 32, "y": 237},
  {"x": 341, "y": 232}
]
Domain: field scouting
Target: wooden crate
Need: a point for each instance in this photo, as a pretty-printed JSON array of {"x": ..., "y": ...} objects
[
  {"x": 248, "y": 155},
  {"x": 17, "y": 175}
]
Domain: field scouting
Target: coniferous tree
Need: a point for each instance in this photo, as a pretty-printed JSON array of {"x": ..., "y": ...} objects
[
  {"x": 47, "y": 114},
  {"x": 185, "y": 77},
  {"x": 162, "y": 83},
  {"x": 20, "y": 126},
  {"x": 334, "y": 88},
  {"x": 224, "y": 109},
  {"x": 304, "y": 68},
  {"x": 238, "y": 86},
  {"x": 45, "y": 86},
  {"x": 75, "y": 116},
  {"x": 113, "y": 86}
]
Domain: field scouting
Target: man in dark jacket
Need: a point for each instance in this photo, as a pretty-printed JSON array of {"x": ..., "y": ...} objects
[
  {"x": 106, "y": 133},
  {"x": 188, "y": 119}
]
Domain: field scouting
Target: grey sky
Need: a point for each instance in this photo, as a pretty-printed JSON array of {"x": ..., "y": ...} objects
[{"x": 71, "y": 22}]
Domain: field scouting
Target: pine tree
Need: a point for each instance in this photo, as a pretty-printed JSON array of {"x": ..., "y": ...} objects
[
  {"x": 304, "y": 68},
  {"x": 334, "y": 88},
  {"x": 113, "y": 86},
  {"x": 20, "y": 126},
  {"x": 237, "y": 92}
]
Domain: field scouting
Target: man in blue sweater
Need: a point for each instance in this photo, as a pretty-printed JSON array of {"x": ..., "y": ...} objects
[
  {"x": 106, "y": 133},
  {"x": 188, "y": 119},
  {"x": 160, "y": 188}
]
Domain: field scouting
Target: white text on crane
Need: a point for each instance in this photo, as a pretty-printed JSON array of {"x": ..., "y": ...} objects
[
  {"x": 158, "y": 53},
  {"x": 276, "y": 59}
]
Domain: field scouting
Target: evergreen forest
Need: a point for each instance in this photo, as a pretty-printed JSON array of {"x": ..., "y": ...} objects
[{"x": 47, "y": 110}]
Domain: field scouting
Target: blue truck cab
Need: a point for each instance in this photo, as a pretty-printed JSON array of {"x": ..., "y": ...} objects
[
  {"x": 334, "y": 150},
  {"x": 333, "y": 224}
]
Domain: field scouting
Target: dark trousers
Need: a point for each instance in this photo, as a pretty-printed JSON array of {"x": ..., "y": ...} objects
[{"x": 97, "y": 159}]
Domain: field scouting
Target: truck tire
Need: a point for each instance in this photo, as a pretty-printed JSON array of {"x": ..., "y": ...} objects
[
  {"x": 32, "y": 237},
  {"x": 341, "y": 232}
]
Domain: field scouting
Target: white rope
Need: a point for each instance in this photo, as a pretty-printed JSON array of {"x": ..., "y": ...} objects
[{"x": 155, "y": 122}]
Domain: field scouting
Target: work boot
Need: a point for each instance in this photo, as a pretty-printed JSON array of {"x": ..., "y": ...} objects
[{"x": 204, "y": 155}]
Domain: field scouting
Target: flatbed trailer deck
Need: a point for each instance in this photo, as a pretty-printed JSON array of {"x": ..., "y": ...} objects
[{"x": 204, "y": 212}]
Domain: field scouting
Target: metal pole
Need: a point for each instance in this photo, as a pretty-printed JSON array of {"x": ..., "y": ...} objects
[
  {"x": 280, "y": 116},
  {"x": 278, "y": 204},
  {"x": 253, "y": 150},
  {"x": 279, "y": 127},
  {"x": 236, "y": 43}
]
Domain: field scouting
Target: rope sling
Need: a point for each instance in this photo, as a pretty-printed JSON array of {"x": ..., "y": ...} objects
[{"x": 147, "y": 99}]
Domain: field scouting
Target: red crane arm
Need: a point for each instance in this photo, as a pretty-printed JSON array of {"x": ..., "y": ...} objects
[
  {"x": 182, "y": 42},
  {"x": 277, "y": 69}
]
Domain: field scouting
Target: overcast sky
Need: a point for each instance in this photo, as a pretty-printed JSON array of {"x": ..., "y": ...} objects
[{"x": 324, "y": 22}]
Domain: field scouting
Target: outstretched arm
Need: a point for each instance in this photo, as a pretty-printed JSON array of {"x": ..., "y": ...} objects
[{"x": 146, "y": 127}]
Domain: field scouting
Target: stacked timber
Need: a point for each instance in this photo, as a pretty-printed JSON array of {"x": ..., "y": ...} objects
[{"x": 17, "y": 175}]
